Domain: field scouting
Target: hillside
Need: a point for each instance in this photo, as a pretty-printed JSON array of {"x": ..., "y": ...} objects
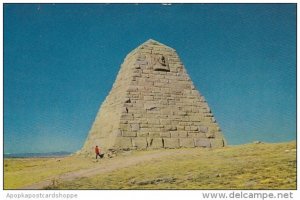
[{"x": 249, "y": 166}]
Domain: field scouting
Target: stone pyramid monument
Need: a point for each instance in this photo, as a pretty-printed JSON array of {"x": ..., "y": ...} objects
[{"x": 153, "y": 104}]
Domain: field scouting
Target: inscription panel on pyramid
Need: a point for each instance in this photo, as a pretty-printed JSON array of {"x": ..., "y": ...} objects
[{"x": 153, "y": 104}]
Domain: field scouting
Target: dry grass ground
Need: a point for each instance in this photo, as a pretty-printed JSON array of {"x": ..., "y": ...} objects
[
  {"x": 250, "y": 166},
  {"x": 19, "y": 172}
]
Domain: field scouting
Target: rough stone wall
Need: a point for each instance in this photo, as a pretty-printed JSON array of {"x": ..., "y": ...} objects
[
  {"x": 105, "y": 128},
  {"x": 154, "y": 104}
]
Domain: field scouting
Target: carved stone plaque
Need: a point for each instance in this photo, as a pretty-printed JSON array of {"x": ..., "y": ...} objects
[{"x": 159, "y": 63}]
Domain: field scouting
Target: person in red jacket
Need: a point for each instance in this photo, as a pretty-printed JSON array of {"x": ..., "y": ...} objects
[{"x": 97, "y": 151}]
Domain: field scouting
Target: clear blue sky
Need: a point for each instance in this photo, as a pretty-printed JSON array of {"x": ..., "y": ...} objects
[{"x": 60, "y": 61}]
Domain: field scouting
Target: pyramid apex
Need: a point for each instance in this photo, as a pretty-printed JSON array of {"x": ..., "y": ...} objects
[
  {"x": 147, "y": 44},
  {"x": 153, "y": 42}
]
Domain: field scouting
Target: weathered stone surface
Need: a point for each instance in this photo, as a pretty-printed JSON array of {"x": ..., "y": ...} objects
[
  {"x": 165, "y": 121},
  {"x": 118, "y": 133},
  {"x": 135, "y": 127},
  {"x": 140, "y": 142},
  {"x": 153, "y": 121},
  {"x": 210, "y": 135},
  {"x": 171, "y": 143},
  {"x": 148, "y": 98},
  {"x": 154, "y": 134},
  {"x": 193, "y": 128},
  {"x": 170, "y": 128},
  {"x": 186, "y": 142},
  {"x": 124, "y": 127},
  {"x": 153, "y": 97},
  {"x": 203, "y": 129},
  {"x": 123, "y": 143},
  {"x": 192, "y": 134},
  {"x": 150, "y": 106},
  {"x": 181, "y": 134},
  {"x": 127, "y": 100},
  {"x": 165, "y": 134},
  {"x": 142, "y": 134},
  {"x": 155, "y": 143},
  {"x": 180, "y": 128},
  {"x": 128, "y": 134},
  {"x": 202, "y": 142},
  {"x": 216, "y": 143},
  {"x": 174, "y": 134},
  {"x": 124, "y": 110}
]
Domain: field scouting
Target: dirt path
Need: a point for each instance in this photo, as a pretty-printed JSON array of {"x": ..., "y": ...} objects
[{"x": 105, "y": 166}]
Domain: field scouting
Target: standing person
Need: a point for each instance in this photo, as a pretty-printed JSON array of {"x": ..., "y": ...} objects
[{"x": 97, "y": 151}]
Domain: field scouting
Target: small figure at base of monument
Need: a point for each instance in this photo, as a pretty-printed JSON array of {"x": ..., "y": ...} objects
[{"x": 98, "y": 152}]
